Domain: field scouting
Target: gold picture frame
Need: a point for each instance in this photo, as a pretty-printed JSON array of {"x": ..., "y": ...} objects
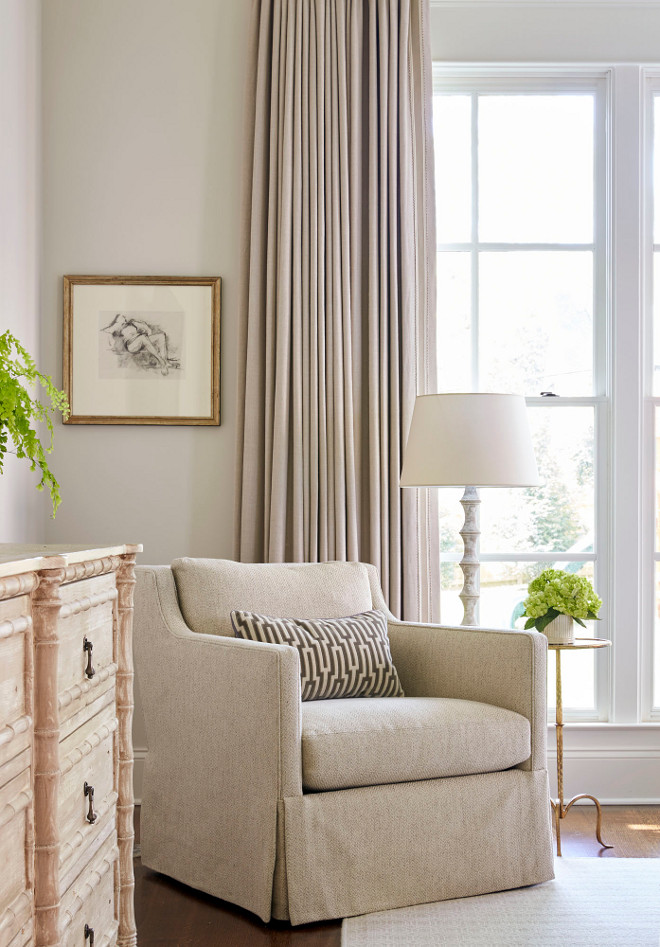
[{"x": 142, "y": 349}]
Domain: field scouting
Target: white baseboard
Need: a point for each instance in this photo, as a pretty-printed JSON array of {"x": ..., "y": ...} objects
[{"x": 618, "y": 765}]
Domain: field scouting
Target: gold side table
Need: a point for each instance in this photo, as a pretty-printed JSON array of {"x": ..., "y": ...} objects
[{"x": 559, "y": 808}]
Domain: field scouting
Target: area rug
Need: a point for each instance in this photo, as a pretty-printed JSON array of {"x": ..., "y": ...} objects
[{"x": 593, "y": 902}]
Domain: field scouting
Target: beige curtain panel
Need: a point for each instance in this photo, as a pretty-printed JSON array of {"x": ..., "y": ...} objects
[{"x": 338, "y": 283}]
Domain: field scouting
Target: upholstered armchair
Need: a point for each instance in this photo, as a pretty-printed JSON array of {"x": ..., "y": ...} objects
[{"x": 331, "y": 808}]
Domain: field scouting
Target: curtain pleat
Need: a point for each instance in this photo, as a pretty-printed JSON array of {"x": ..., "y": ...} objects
[{"x": 337, "y": 290}]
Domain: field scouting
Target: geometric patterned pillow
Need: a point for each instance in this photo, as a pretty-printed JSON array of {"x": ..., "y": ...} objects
[{"x": 339, "y": 657}]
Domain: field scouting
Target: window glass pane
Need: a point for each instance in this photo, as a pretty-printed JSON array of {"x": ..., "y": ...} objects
[
  {"x": 453, "y": 149},
  {"x": 656, "y": 641},
  {"x": 657, "y": 480},
  {"x": 536, "y": 322},
  {"x": 450, "y": 518},
  {"x": 656, "y": 636},
  {"x": 503, "y": 591},
  {"x": 454, "y": 320},
  {"x": 558, "y": 515},
  {"x": 656, "y": 320},
  {"x": 578, "y": 673},
  {"x": 656, "y": 168},
  {"x": 536, "y": 168},
  {"x": 451, "y": 607}
]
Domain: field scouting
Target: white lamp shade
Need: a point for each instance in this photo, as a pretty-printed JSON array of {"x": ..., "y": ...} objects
[{"x": 478, "y": 440}]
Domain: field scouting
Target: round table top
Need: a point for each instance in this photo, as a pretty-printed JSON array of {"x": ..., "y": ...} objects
[{"x": 580, "y": 643}]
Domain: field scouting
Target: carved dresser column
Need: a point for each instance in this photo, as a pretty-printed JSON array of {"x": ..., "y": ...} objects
[
  {"x": 16, "y": 760},
  {"x": 46, "y": 606},
  {"x": 125, "y": 705}
]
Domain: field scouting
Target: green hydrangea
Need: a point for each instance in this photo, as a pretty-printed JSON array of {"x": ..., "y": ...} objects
[{"x": 560, "y": 593}]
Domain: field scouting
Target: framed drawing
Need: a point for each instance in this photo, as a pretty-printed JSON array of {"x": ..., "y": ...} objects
[{"x": 142, "y": 349}]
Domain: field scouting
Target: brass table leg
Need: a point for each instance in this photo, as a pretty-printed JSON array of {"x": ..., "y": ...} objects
[
  {"x": 559, "y": 730},
  {"x": 599, "y": 815},
  {"x": 559, "y": 810}
]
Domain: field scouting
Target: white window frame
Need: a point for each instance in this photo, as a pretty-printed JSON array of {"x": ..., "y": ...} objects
[
  {"x": 650, "y": 77},
  {"x": 599, "y": 81}
]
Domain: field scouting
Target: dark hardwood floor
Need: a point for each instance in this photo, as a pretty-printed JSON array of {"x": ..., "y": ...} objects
[{"x": 172, "y": 915}]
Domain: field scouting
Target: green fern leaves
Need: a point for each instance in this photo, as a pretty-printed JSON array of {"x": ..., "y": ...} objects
[{"x": 20, "y": 413}]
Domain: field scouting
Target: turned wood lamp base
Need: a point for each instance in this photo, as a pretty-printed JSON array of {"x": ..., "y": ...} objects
[{"x": 470, "y": 562}]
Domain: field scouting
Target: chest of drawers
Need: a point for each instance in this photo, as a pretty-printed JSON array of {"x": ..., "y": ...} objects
[{"x": 66, "y": 760}]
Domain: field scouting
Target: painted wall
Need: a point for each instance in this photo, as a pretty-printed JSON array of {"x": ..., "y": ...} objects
[
  {"x": 23, "y": 511},
  {"x": 142, "y": 143},
  {"x": 550, "y": 32}
]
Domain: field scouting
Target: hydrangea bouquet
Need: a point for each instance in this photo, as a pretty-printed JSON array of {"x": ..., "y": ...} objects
[{"x": 556, "y": 593}]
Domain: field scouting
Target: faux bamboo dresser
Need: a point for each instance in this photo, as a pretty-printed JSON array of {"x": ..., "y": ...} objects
[{"x": 66, "y": 756}]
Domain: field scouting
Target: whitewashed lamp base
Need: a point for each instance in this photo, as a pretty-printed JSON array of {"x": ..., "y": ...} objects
[
  {"x": 561, "y": 630},
  {"x": 470, "y": 562}
]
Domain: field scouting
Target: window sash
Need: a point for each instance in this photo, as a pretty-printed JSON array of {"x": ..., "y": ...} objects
[
  {"x": 480, "y": 81},
  {"x": 650, "y": 640}
]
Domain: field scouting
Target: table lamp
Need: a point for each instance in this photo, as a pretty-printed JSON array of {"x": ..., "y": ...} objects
[{"x": 470, "y": 441}]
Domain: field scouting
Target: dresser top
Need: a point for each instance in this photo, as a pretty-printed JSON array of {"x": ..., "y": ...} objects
[{"x": 31, "y": 557}]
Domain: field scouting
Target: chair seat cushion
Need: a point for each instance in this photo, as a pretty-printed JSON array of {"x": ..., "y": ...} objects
[{"x": 372, "y": 741}]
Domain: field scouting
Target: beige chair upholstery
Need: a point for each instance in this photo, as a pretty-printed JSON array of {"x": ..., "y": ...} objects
[{"x": 334, "y": 808}]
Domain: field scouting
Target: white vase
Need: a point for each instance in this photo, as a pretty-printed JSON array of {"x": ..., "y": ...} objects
[{"x": 561, "y": 630}]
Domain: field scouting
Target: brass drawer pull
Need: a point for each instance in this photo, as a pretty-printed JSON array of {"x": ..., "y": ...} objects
[
  {"x": 89, "y": 933},
  {"x": 91, "y": 815},
  {"x": 89, "y": 647}
]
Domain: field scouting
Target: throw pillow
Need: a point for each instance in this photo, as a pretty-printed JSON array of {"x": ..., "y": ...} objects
[{"x": 339, "y": 657}]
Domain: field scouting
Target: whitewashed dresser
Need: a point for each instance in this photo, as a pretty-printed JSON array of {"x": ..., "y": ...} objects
[{"x": 66, "y": 756}]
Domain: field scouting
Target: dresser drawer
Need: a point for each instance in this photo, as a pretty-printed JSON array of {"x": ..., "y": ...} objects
[
  {"x": 15, "y": 666},
  {"x": 86, "y": 619},
  {"x": 91, "y": 901},
  {"x": 86, "y": 762},
  {"x": 16, "y": 870},
  {"x": 25, "y": 937}
]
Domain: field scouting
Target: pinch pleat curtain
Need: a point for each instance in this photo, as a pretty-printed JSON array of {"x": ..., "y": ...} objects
[{"x": 337, "y": 299}]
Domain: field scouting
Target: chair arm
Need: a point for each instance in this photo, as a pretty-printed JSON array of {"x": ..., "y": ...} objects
[
  {"x": 223, "y": 723},
  {"x": 506, "y": 668}
]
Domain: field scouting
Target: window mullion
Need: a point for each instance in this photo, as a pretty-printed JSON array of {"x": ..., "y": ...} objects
[
  {"x": 627, "y": 299},
  {"x": 474, "y": 248},
  {"x": 602, "y": 316},
  {"x": 650, "y": 555}
]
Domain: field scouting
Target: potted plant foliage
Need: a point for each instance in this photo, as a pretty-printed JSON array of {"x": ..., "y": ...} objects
[
  {"x": 557, "y": 599},
  {"x": 21, "y": 412}
]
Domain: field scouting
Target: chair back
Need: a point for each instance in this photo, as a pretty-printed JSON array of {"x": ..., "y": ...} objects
[{"x": 209, "y": 590}]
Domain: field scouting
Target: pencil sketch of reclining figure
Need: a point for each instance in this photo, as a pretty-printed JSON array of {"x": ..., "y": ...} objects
[{"x": 146, "y": 345}]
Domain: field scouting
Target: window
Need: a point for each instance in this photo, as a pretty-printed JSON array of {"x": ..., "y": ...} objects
[
  {"x": 548, "y": 208},
  {"x": 522, "y": 264}
]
